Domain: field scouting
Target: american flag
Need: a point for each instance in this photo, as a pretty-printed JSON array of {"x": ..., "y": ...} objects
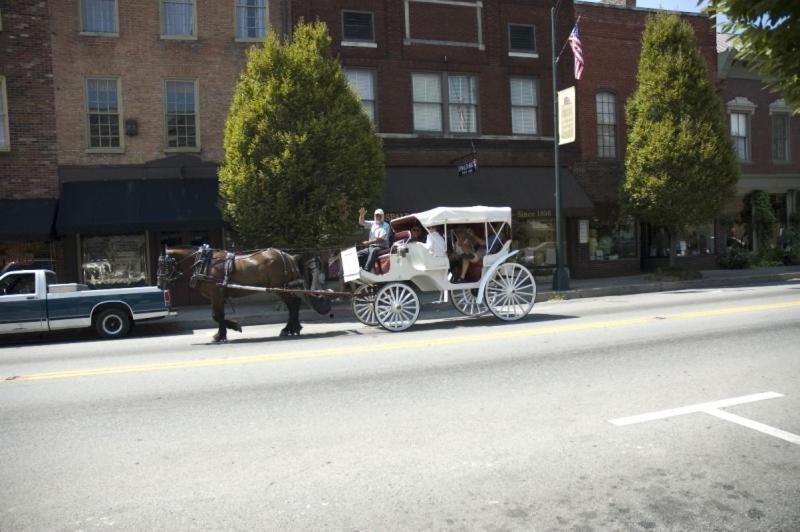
[{"x": 577, "y": 51}]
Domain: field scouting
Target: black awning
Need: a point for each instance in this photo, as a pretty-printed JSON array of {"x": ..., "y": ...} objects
[
  {"x": 133, "y": 205},
  {"x": 27, "y": 219},
  {"x": 410, "y": 189}
]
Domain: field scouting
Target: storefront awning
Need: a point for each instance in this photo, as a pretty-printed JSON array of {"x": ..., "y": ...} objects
[
  {"x": 410, "y": 189},
  {"x": 27, "y": 219},
  {"x": 129, "y": 206}
]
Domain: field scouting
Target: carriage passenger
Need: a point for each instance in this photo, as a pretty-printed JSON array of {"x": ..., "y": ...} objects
[
  {"x": 469, "y": 249},
  {"x": 435, "y": 242}
]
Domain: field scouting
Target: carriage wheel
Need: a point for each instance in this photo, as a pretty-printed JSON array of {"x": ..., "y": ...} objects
[
  {"x": 397, "y": 307},
  {"x": 466, "y": 302},
  {"x": 511, "y": 292},
  {"x": 364, "y": 305}
]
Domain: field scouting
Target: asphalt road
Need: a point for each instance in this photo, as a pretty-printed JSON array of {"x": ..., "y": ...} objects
[{"x": 456, "y": 424}]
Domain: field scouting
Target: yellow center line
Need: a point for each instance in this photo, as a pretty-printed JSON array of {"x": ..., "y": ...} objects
[{"x": 396, "y": 346}]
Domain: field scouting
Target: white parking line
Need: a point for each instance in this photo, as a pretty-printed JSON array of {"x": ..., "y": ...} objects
[
  {"x": 713, "y": 409},
  {"x": 691, "y": 409}
]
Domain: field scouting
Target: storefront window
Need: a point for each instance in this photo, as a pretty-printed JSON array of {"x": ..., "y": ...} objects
[
  {"x": 612, "y": 241},
  {"x": 697, "y": 240},
  {"x": 535, "y": 237},
  {"x": 114, "y": 261}
]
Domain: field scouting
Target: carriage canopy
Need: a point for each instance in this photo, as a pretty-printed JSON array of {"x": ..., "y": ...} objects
[{"x": 458, "y": 215}]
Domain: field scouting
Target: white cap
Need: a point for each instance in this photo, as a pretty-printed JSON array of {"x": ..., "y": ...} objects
[{"x": 378, "y": 211}]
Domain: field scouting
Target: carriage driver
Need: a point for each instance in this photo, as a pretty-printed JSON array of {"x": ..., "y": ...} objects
[{"x": 378, "y": 238}]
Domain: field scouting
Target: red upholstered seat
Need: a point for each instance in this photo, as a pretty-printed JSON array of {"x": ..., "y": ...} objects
[{"x": 382, "y": 264}]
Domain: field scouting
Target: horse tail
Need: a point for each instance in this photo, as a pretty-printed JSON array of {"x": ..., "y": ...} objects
[{"x": 309, "y": 272}]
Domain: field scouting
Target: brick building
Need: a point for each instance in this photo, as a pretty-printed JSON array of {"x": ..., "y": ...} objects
[
  {"x": 126, "y": 124},
  {"x": 766, "y": 136},
  {"x": 28, "y": 161}
]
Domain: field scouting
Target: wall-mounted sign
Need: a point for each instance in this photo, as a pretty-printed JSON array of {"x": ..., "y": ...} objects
[
  {"x": 566, "y": 116},
  {"x": 583, "y": 231}
]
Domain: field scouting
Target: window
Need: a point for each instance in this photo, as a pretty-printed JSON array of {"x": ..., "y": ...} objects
[
  {"x": 739, "y": 129},
  {"x": 181, "y": 114},
  {"x": 610, "y": 240},
  {"x": 5, "y": 140},
  {"x": 177, "y": 18},
  {"x": 427, "y": 96},
  {"x": 363, "y": 84},
  {"x": 463, "y": 104},
  {"x": 460, "y": 99},
  {"x": 23, "y": 283},
  {"x": 606, "y": 125},
  {"x": 114, "y": 261},
  {"x": 521, "y": 38},
  {"x": 103, "y": 110},
  {"x": 780, "y": 137},
  {"x": 251, "y": 19},
  {"x": 99, "y": 16},
  {"x": 357, "y": 26},
  {"x": 693, "y": 241},
  {"x": 524, "y": 106}
]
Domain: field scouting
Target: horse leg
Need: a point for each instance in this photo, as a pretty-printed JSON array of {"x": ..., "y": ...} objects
[
  {"x": 218, "y": 312},
  {"x": 293, "y": 325}
]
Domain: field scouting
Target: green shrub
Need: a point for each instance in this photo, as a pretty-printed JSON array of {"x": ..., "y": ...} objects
[
  {"x": 676, "y": 273},
  {"x": 768, "y": 257},
  {"x": 736, "y": 258}
]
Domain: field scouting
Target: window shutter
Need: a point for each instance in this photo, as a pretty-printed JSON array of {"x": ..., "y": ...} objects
[
  {"x": 357, "y": 26},
  {"x": 520, "y": 38}
]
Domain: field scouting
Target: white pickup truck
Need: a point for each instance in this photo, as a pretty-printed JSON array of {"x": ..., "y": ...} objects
[{"x": 31, "y": 301}]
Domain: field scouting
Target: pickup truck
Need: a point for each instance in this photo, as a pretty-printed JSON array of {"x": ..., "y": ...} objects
[{"x": 31, "y": 301}]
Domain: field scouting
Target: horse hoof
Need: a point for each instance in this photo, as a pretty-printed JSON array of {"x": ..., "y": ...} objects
[{"x": 284, "y": 332}]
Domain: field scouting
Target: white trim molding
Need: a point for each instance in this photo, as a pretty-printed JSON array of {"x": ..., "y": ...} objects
[
  {"x": 779, "y": 107},
  {"x": 741, "y": 104}
]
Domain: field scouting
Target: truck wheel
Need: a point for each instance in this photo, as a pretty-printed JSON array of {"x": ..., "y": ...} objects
[{"x": 113, "y": 323}]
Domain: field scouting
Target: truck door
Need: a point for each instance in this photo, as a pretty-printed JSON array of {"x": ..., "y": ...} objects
[{"x": 22, "y": 307}]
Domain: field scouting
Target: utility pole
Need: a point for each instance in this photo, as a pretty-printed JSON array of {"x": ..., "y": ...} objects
[{"x": 560, "y": 277}]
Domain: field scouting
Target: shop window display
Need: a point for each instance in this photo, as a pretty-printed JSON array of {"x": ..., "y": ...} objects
[
  {"x": 612, "y": 241},
  {"x": 535, "y": 237},
  {"x": 697, "y": 240},
  {"x": 114, "y": 261}
]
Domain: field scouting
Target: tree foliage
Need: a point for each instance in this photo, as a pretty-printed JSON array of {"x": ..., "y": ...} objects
[
  {"x": 680, "y": 168},
  {"x": 768, "y": 38},
  {"x": 300, "y": 154}
]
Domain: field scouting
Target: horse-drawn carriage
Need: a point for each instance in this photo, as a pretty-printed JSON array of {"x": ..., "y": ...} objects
[{"x": 388, "y": 295}]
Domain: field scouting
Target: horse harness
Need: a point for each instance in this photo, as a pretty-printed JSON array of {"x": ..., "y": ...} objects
[{"x": 202, "y": 268}]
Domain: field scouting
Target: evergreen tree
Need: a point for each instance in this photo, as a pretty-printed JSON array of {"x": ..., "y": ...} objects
[
  {"x": 680, "y": 167},
  {"x": 301, "y": 156}
]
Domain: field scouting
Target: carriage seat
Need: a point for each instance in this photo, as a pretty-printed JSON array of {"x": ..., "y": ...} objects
[{"x": 382, "y": 264}]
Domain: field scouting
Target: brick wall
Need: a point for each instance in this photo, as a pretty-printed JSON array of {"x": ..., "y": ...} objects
[
  {"x": 29, "y": 169},
  {"x": 142, "y": 61}
]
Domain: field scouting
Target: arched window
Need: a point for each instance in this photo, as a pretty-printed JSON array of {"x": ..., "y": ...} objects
[{"x": 606, "y": 125}]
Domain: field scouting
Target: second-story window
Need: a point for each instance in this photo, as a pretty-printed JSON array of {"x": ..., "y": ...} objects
[
  {"x": 739, "y": 130},
  {"x": 427, "y": 96},
  {"x": 357, "y": 26},
  {"x": 521, "y": 39},
  {"x": 463, "y": 103},
  {"x": 181, "y": 114},
  {"x": 99, "y": 16},
  {"x": 606, "y": 125},
  {"x": 177, "y": 18},
  {"x": 5, "y": 143},
  {"x": 524, "y": 106},
  {"x": 251, "y": 19},
  {"x": 363, "y": 83},
  {"x": 102, "y": 107},
  {"x": 780, "y": 137}
]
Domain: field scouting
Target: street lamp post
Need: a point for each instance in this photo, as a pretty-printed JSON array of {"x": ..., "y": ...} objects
[{"x": 560, "y": 277}]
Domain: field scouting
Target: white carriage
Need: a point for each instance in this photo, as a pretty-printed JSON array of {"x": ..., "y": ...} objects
[{"x": 389, "y": 295}]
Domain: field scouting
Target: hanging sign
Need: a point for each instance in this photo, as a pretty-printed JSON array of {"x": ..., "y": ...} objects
[
  {"x": 566, "y": 116},
  {"x": 468, "y": 168}
]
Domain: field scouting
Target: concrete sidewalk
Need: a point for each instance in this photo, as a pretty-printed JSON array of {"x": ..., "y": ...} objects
[{"x": 260, "y": 309}]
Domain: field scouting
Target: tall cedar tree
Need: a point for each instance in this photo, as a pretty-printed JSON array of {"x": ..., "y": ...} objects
[
  {"x": 300, "y": 154},
  {"x": 680, "y": 168}
]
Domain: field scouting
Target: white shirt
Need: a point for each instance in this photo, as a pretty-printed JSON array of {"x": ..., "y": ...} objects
[
  {"x": 435, "y": 244},
  {"x": 378, "y": 231}
]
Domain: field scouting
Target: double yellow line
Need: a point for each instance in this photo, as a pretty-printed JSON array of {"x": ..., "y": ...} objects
[{"x": 395, "y": 346}]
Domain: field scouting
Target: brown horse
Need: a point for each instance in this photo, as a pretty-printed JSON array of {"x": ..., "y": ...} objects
[{"x": 211, "y": 269}]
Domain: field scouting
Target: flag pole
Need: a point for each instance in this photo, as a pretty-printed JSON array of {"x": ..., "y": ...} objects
[{"x": 560, "y": 277}]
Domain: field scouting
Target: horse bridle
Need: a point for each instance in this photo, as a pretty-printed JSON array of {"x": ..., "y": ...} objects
[{"x": 168, "y": 271}]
